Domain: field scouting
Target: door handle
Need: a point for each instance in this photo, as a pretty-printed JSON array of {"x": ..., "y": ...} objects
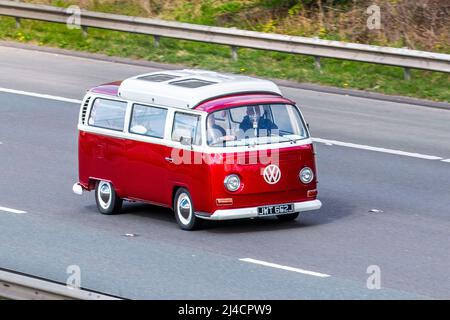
[{"x": 168, "y": 159}]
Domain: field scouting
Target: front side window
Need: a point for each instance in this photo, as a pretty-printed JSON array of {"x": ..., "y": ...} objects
[
  {"x": 186, "y": 126},
  {"x": 148, "y": 121},
  {"x": 108, "y": 114},
  {"x": 255, "y": 125}
]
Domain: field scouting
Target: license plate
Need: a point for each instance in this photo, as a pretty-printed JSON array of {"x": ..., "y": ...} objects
[{"x": 276, "y": 210}]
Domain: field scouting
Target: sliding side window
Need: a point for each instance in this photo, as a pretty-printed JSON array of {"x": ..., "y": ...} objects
[{"x": 108, "y": 114}]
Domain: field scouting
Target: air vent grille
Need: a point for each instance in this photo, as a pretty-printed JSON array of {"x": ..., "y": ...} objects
[{"x": 84, "y": 110}]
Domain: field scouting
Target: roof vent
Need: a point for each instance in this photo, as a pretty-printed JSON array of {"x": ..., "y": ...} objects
[
  {"x": 160, "y": 77},
  {"x": 192, "y": 83}
]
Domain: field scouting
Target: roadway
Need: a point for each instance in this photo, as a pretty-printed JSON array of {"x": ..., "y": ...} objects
[{"x": 373, "y": 155}]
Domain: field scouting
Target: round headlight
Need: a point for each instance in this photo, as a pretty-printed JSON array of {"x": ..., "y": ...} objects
[
  {"x": 232, "y": 182},
  {"x": 306, "y": 175}
]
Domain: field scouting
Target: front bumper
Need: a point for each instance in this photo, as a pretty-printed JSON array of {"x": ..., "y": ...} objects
[{"x": 252, "y": 212}]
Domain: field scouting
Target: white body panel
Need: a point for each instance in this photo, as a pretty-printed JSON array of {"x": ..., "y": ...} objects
[{"x": 167, "y": 93}]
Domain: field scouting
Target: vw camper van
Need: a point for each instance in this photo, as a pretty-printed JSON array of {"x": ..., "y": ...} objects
[{"x": 208, "y": 145}]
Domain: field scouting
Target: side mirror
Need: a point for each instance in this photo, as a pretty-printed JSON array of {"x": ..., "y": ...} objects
[{"x": 186, "y": 141}]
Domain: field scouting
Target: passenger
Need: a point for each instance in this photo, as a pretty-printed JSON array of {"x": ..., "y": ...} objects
[{"x": 217, "y": 134}]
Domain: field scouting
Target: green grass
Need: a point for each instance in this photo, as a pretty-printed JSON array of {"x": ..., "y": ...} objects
[{"x": 338, "y": 73}]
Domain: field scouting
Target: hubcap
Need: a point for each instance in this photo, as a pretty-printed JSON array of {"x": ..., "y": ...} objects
[
  {"x": 104, "y": 195},
  {"x": 184, "y": 208}
]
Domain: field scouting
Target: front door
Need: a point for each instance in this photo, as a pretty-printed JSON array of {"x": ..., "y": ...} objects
[{"x": 184, "y": 160}]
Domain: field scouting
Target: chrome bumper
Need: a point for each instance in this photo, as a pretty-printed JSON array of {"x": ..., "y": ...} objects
[{"x": 252, "y": 212}]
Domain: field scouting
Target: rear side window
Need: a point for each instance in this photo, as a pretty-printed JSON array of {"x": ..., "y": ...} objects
[
  {"x": 148, "y": 121},
  {"x": 187, "y": 126},
  {"x": 108, "y": 114}
]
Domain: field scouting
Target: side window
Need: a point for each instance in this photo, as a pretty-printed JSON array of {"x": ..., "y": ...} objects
[
  {"x": 108, "y": 114},
  {"x": 148, "y": 121},
  {"x": 187, "y": 126}
]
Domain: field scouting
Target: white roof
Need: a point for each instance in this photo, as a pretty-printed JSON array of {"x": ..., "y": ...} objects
[{"x": 188, "y": 88}]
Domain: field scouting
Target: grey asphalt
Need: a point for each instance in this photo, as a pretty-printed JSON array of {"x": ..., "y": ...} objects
[{"x": 408, "y": 240}]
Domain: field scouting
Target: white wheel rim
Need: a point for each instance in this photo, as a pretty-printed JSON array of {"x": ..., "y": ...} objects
[
  {"x": 184, "y": 209},
  {"x": 104, "y": 194}
]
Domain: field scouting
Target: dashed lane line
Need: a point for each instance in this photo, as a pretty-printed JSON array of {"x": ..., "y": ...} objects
[
  {"x": 279, "y": 266},
  {"x": 377, "y": 149},
  {"x": 40, "y": 95},
  {"x": 9, "y": 210}
]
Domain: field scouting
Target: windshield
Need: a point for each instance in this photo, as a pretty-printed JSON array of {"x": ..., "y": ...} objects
[{"x": 255, "y": 125}]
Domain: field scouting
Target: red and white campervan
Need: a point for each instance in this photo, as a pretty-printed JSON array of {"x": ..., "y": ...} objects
[{"x": 208, "y": 145}]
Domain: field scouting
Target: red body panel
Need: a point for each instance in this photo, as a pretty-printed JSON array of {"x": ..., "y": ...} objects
[
  {"x": 146, "y": 172},
  {"x": 101, "y": 157},
  {"x": 241, "y": 100},
  {"x": 110, "y": 89},
  {"x": 255, "y": 191},
  {"x": 194, "y": 177},
  {"x": 138, "y": 170}
]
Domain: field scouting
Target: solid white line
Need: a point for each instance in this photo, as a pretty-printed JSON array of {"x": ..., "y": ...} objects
[
  {"x": 12, "y": 210},
  {"x": 40, "y": 95},
  {"x": 319, "y": 140},
  {"x": 384, "y": 150},
  {"x": 278, "y": 266}
]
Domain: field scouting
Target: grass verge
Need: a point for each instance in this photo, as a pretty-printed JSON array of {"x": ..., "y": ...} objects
[{"x": 338, "y": 73}]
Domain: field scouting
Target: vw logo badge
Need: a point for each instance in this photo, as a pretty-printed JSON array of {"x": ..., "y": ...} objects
[{"x": 272, "y": 174}]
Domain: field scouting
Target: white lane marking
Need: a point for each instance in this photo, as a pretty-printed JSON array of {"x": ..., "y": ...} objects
[
  {"x": 279, "y": 266},
  {"x": 40, "y": 95},
  {"x": 377, "y": 149},
  {"x": 12, "y": 210},
  {"x": 319, "y": 140}
]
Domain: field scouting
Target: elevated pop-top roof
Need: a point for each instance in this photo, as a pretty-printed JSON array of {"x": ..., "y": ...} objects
[{"x": 188, "y": 88}]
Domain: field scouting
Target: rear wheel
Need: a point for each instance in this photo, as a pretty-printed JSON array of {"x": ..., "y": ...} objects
[
  {"x": 288, "y": 217},
  {"x": 184, "y": 210},
  {"x": 106, "y": 197}
]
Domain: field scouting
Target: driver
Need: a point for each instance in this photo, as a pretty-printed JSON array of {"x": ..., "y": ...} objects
[{"x": 254, "y": 117}]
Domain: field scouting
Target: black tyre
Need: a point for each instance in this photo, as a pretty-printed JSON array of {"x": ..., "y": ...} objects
[
  {"x": 106, "y": 198},
  {"x": 288, "y": 217},
  {"x": 184, "y": 210}
]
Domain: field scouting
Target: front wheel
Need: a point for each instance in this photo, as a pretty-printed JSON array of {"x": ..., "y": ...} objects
[
  {"x": 288, "y": 217},
  {"x": 184, "y": 210},
  {"x": 106, "y": 197}
]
